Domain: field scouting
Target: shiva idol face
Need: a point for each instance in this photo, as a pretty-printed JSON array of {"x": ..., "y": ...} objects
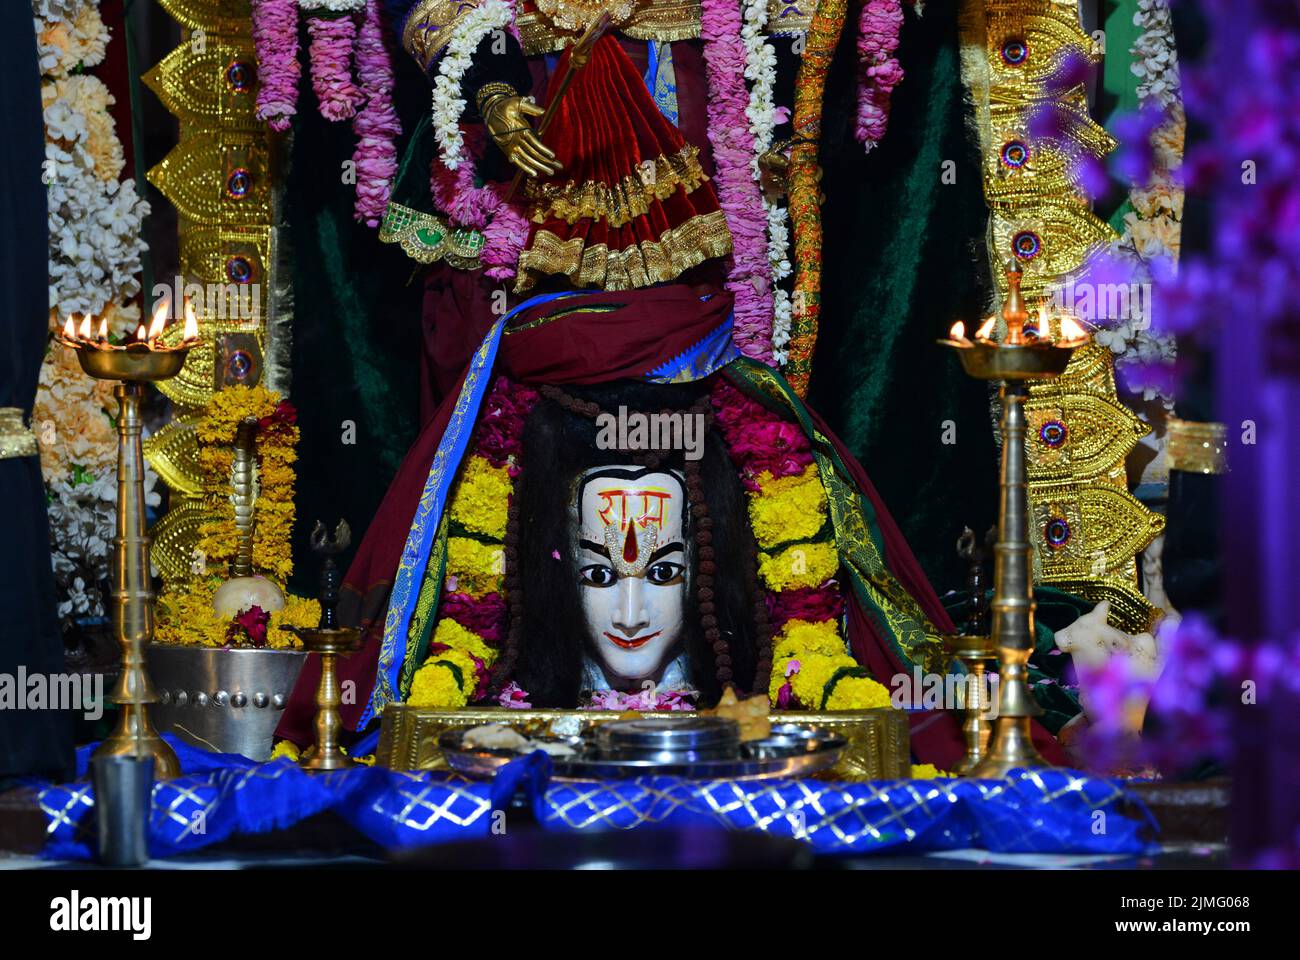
[{"x": 628, "y": 538}]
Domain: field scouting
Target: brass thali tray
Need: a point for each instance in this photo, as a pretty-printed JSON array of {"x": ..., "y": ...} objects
[{"x": 791, "y": 750}]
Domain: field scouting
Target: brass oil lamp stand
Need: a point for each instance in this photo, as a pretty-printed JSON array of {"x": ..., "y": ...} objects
[
  {"x": 1019, "y": 357},
  {"x": 975, "y": 651},
  {"x": 330, "y": 641},
  {"x": 131, "y": 367}
]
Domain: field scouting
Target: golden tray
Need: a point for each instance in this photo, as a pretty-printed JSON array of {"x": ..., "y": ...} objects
[{"x": 878, "y": 746}]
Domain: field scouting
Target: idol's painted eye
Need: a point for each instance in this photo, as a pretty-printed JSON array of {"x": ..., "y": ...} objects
[
  {"x": 598, "y": 575},
  {"x": 664, "y": 573}
]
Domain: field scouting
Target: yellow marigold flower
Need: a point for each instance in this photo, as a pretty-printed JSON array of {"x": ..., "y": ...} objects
[
  {"x": 434, "y": 685},
  {"x": 858, "y": 693},
  {"x": 452, "y": 634},
  {"x": 477, "y": 567},
  {"x": 297, "y": 612},
  {"x": 791, "y": 508},
  {"x": 285, "y": 749},
  {"x": 482, "y": 495},
  {"x": 927, "y": 771},
  {"x": 815, "y": 670},
  {"x": 798, "y": 637},
  {"x": 798, "y": 565}
]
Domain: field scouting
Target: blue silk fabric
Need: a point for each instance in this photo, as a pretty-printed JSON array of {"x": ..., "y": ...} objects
[{"x": 220, "y": 796}]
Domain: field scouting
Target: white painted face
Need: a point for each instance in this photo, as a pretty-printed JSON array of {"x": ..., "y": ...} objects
[{"x": 628, "y": 537}]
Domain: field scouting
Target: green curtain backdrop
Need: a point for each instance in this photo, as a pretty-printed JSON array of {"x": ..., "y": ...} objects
[
  {"x": 905, "y": 258},
  {"x": 356, "y": 331}
]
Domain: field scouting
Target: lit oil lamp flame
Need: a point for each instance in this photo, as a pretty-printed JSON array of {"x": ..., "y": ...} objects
[
  {"x": 1071, "y": 331},
  {"x": 140, "y": 333},
  {"x": 986, "y": 329},
  {"x": 84, "y": 332},
  {"x": 69, "y": 330},
  {"x": 159, "y": 320},
  {"x": 958, "y": 331},
  {"x": 103, "y": 329},
  {"x": 191, "y": 322}
]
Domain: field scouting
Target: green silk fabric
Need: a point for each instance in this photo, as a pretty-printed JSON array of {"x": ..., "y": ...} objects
[
  {"x": 356, "y": 334},
  {"x": 904, "y": 258}
]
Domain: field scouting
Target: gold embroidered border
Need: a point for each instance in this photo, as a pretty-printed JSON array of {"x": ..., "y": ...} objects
[
  {"x": 428, "y": 28},
  {"x": 665, "y": 21},
  {"x": 626, "y": 200},
  {"x": 640, "y": 265}
]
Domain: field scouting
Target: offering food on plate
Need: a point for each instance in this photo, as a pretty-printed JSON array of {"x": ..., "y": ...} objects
[
  {"x": 752, "y": 713},
  {"x": 494, "y": 736},
  {"x": 555, "y": 748}
]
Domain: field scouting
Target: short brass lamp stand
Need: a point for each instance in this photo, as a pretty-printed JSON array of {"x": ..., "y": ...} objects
[{"x": 330, "y": 641}]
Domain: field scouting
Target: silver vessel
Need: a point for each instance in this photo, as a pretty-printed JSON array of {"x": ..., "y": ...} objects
[{"x": 227, "y": 700}]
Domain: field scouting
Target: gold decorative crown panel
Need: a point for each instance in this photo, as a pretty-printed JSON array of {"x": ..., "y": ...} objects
[
  {"x": 211, "y": 87},
  {"x": 212, "y": 16},
  {"x": 1088, "y": 527},
  {"x": 218, "y": 176}
]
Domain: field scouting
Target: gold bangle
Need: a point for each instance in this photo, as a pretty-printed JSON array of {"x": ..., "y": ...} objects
[{"x": 490, "y": 90}]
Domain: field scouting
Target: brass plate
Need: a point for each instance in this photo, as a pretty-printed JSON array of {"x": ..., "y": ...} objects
[{"x": 878, "y": 744}]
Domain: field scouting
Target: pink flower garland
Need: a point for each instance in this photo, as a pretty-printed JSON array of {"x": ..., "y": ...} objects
[
  {"x": 750, "y": 277},
  {"x": 376, "y": 125},
  {"x": 641, "y": 700},
  {"x": 275, "y": 38},
  {"x": 332, "y": 39},
  {"x": 757, "y": 439},
  {"x": 878, "y": 70},
  {"x": 504, "y": 227}
]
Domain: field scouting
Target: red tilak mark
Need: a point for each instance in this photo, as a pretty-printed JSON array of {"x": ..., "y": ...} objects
[{"x": 630, "y": 550}]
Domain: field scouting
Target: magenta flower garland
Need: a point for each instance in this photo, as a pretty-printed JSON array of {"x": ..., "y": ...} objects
[
  {"x": 376, "y": 125},
  {"x": 750, "y": 276},
  {"x": 275, "y": 38},
  {"x": 504, "y": 227},
  {"x": 332, "y": 39},
  {"x": 878, "y": 70}
]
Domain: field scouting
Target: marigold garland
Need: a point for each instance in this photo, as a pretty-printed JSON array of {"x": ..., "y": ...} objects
[
  {"x": 811, "y": 665},
  {"x": 186, "y": 616},
  {"x": 277, "y": 439},
  {"x": 472, "y": 610}
]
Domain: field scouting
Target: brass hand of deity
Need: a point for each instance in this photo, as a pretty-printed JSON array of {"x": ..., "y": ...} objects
[{"x": 506, "y": 118}]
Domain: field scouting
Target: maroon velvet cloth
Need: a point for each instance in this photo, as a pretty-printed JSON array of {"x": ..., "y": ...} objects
[{"x": 604, "y": 128}]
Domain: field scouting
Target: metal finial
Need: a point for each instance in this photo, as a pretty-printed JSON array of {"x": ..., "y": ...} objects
[{"x": 1013, "y": 310}]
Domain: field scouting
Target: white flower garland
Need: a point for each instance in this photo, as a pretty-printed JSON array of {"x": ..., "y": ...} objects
[
  {"x": 448, "y": 105},
  {"x": 1156, "y": 61},
  {"x": 334, "y": 6},
  {"x": 760, "y": 70},
  {"x": 95, "y": 246},
  {"x": 1155, "y": 222}
]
